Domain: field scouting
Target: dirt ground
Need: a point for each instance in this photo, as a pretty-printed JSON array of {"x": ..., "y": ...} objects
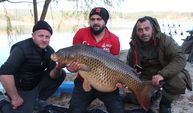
[{"x": 184, "y": 104}]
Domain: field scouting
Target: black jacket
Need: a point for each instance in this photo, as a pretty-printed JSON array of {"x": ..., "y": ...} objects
[{"x": 27, "y": 63}]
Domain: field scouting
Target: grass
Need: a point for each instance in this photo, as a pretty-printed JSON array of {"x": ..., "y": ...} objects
[{"x": 61, "y": 21}]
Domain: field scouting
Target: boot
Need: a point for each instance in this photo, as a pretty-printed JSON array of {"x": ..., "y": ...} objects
[
  {"x": 165, "y": 105},
  {"x": 165, "y": 109},
  {"x": 130, "y": 99}
]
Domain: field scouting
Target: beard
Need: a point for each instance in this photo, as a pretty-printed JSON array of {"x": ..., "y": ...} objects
[
  {"x": 97, "y": 31},
  {"x": 145, "y": 38}
]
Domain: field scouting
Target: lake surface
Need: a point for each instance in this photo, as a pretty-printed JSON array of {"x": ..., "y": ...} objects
[
  {"x": 58, "y": 40},
  {"x": 61, "y": 40}
]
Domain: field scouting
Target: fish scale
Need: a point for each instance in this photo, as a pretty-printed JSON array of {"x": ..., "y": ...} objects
[{"x": 103, "y": 71}]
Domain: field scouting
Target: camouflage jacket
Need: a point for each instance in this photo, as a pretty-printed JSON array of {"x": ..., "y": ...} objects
[{"x": 171, "y": 61}]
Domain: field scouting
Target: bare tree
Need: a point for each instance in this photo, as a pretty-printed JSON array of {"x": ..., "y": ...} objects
[
  {"x": 82, "y": 7},
  {"x": 35, "y": 11},
  {"x": 45, "y": 9},
  {"x": 3, "y": 0}
]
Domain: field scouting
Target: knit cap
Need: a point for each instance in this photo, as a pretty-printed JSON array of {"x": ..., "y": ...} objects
[
  {"x": 42, "y": 25},
  {"x": 102, "y": 12}
]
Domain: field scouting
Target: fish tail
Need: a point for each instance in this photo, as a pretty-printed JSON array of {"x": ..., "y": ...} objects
[{"x": 144, "y": 95}]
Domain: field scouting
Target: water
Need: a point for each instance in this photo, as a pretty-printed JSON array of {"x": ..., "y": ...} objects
[
  {"x": 58, "y": 40},
  {"x": 61, "y": 40}
]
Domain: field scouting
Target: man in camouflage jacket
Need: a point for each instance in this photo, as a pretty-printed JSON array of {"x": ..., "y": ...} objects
[{"x": 160, "y": 59}]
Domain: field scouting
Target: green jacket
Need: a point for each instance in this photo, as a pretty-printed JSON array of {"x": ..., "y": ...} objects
[{"x": 169, "y": 60}]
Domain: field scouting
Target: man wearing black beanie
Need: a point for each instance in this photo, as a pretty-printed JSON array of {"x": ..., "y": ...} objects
[
  {"x": 42, "y": 25},
  {"x": 98, "y": 35},
  {"x": 102, "y": 12},
  {"x": 29, "y": 74},
  {"x": 103, "y": 15}
]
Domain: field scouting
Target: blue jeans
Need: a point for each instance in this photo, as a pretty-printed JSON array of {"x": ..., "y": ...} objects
[{"x": 81, "y": 99}]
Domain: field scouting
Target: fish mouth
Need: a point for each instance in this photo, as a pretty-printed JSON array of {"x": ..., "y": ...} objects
[
  {"x": 58, "y": 59},
  {"x": 54, "y": 57}
]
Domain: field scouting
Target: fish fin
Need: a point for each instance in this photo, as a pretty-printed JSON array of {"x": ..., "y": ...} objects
[
  {"x": 86, "y": 85},
  {"x": 85, "y": 67},
  {"x": 144, "y": 95}
]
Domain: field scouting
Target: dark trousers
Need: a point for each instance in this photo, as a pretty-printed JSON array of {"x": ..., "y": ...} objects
[
  {"x": 190, "y": 57},
  {"x": 80, "y": 99},
  {"x": 43, "y": 90},
  {"x": 187, "y": 47}
]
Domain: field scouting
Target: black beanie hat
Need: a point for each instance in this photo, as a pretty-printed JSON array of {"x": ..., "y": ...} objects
[
  {"x": 42, "y": 25},
  {"x": 102, "y": 12}
]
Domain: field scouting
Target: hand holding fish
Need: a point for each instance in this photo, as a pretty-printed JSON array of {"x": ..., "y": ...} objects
[
  {"x": 122, "y": 86},
  {"x": 156, "y": 79},
  {"x": 73, "y": 67}
]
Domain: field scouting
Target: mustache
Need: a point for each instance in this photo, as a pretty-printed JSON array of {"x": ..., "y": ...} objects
[
  {"x": 145, "y": 36},
  {"x": 95, "y": 25}
]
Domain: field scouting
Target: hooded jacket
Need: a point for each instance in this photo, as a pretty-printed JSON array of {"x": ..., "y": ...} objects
[{"x": 168, "y": 59}]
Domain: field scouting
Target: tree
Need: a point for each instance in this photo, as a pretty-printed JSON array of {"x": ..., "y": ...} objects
[
  {"x": 44, "y": 11},
  {"x": 82, "y": 7},
  {"x": 86, "y": 5},
  {"x": 3, "y": 0}
]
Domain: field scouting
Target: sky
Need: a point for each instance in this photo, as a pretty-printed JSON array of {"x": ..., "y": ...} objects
[
  {"x": 158, "y": 5},
  {"x": 126, "y": 6}
]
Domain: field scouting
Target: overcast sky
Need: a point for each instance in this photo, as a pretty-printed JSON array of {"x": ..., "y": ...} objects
[
  {"x": 127, "y": 6},
  {"x": 158, "y": 5}
]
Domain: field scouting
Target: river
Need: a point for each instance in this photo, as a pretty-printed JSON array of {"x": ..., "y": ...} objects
[{"x": 61, "y": 40}]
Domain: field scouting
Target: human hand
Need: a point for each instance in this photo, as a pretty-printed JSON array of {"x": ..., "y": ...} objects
[
  {"x": 57, "y": 71},
  {"x": 122, "y": 86},
  {"x": 73, "y": 67},
  {"x": 156, "y": 79},
  {"x": 119, "y": 85},
  {"x": 16, "y": 102}
]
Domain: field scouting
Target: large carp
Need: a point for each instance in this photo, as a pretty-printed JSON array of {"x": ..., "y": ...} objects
[{"x": 103, "y": 71}]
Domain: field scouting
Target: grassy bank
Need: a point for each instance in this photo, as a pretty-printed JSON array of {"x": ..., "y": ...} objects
[{"x": 20, "y": 21}]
